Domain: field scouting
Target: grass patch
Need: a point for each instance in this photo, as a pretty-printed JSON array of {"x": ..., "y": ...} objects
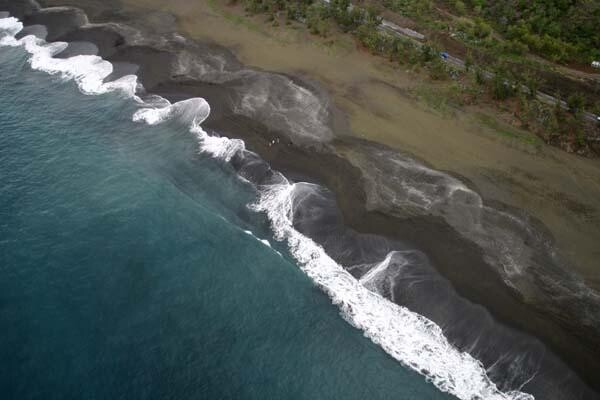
[
  {"x": 236, "y": 19},
  {"x": 337, "y": 44},
  {"x": 507, "y": 131},
  {"x": 434, "y": 98}
]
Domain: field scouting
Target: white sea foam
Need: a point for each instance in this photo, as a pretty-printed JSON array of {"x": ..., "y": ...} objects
[
  {"x": 9, "y": 27},
  {"x": 219, "y": 147},
  {"x": 371, "y": 279},
  {"x": 263, "y": 241},
  {"x": 408, "y": 337},
  {"x": 286, "y": 105},
  {"x": 191, "y": 111},
  {"x": 87, "y": 71}
]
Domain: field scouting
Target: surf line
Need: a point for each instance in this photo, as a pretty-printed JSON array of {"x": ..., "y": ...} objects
[{"x": 408, "y": 337}]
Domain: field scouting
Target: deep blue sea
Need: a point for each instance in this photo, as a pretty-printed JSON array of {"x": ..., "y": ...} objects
[{"x": 125, "y": 271}]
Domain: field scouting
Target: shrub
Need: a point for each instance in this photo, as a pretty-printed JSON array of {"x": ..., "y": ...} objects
[
  {"x": 438, "y": 69},
  {"x": 532, "y": 82},
  {"x": 501, "y": 87},
  {"x": 460, "y": 7},
  {"x": 575, "y": 103},
  {"x": 479, "y": 77},
  {"x": 481, "y": 29},
  {"x": 427, "y": 53},
  {"x": 316, "y": 20}
]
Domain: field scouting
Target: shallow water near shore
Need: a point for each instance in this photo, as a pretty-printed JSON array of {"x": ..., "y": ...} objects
[
  {"x": 557, "y": 188},
  {"x": 126, "y": 271}
]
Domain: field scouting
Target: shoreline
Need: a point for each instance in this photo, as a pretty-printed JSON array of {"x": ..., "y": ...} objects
[
  {"x": 555, "y": 187},
  {"x": 341, "y": 176}
]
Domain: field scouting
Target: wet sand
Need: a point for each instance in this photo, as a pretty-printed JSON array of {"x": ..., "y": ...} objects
[
  {"x": 560, "y": 189},
  {"x": 458, "y": 259}
]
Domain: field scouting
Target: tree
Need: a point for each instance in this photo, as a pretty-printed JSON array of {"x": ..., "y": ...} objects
[
  {"x": 316, "y": 21},
  {"x": 532, "y": 82},
  {"x": 427, "y": 53},
  {"x": 438, "y": 69},
  {"x": 575, "y": 103},
  {"x": 479, "y": 77},
  {"x": 559, "y": 113},
  {"x": 468, "y": 61},
  {"x": 460, "y": 7},
  {"x": 481, "y": 29},
  {"x": 501, "y": 87}
]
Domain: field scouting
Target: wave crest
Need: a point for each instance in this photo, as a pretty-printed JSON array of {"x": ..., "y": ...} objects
[
  {"x": 410, "y": 338},
  {"x": 88, "y": 71}
]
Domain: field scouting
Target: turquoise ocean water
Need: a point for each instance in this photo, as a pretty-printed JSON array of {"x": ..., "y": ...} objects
[{"x": 126, "y": 271}]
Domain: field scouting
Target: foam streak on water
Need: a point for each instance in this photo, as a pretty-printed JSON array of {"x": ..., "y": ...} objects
[
  {"x": 88, "y": 71},
  {"x": 408, "y": 337}
]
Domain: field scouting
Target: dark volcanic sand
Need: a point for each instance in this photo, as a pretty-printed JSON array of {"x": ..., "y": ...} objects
[{"x": 456, "y": 258}]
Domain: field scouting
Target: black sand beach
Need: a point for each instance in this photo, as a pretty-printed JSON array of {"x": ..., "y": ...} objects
[{"x": 552, "y": 333}]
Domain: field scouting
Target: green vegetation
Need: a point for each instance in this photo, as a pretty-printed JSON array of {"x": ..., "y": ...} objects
[
  {"x": 560, "y": 30},
  {"x": 575, "y": 103},
  {"x": 410, "y": 8},
  {"x": 234, "y": 18},
  {"x": 509, "y": 84},
  {"x": 507, "y": 131},
  {"x": 361, "y": 22}
]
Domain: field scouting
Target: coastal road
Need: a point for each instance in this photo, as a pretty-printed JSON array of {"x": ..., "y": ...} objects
[{"x": 417, "y": 39}]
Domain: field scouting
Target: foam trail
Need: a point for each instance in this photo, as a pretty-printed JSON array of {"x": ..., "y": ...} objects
[
  {"x": 263, "y": 241},
  {"x": 194, "y": 110},
  {"x": 408, "y": 337},
  {"x": 376, "y": 270},
  {"x": 87, "y": 71}
]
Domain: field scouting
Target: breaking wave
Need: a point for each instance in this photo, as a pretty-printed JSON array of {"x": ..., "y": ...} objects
[{"x": 410, "y": 338}]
